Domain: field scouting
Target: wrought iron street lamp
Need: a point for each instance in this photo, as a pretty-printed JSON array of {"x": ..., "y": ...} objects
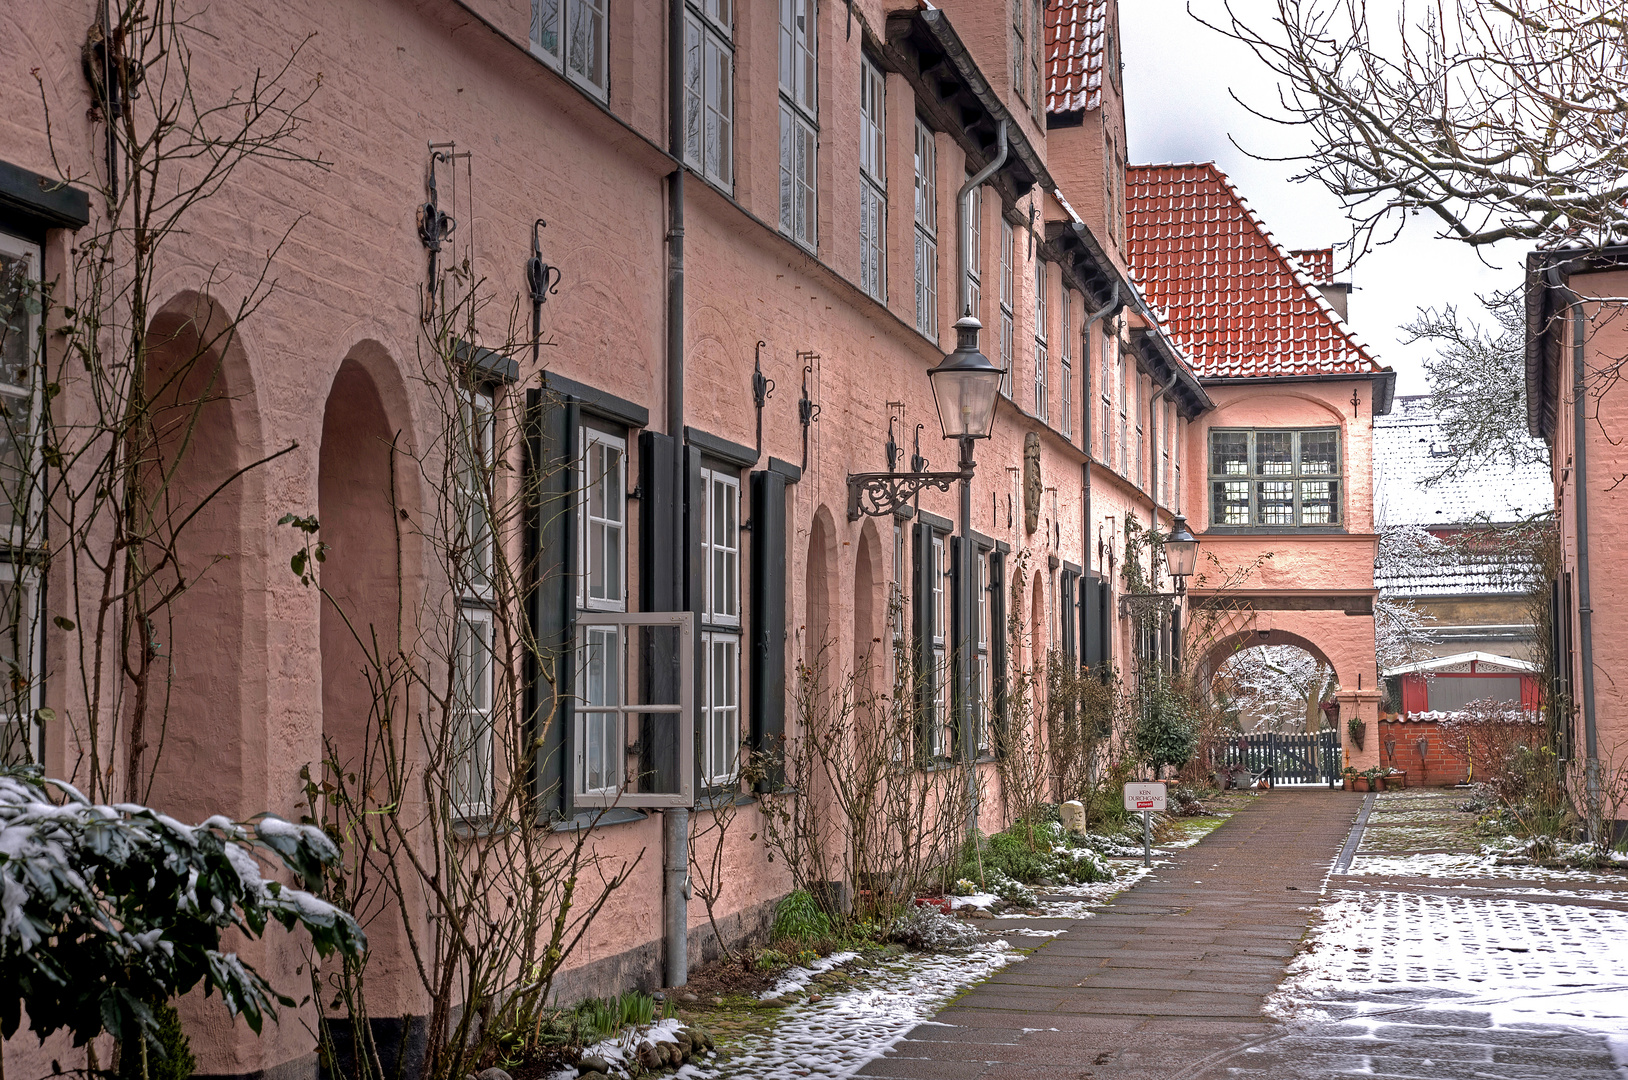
[
  {"x": 965, "y": 386},
  {"x": 1181, "y": 553}
]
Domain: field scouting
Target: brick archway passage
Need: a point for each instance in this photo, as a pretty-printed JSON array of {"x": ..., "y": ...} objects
[{"x": 1170, "y": 973}]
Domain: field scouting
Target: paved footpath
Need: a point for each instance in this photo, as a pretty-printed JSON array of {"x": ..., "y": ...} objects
[{"x": 1167, "y": 979}]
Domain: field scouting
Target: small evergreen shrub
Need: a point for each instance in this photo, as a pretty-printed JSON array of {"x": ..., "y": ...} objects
[{"x": 169, "y": 1053}]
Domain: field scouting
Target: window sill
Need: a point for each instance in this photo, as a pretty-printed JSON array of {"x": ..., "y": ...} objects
[
  {"x": 719, "y": 799},
  {"x": 593, "y": 819},
  {"x": 1274, "y": 530}
]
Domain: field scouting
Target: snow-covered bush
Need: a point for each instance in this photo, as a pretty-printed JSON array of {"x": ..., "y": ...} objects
[
  {"x": 926, "y": 927},
  {"x": 106, "y": 911},
  {"x": 1079, "y": 866},
  {"x": 1010, "y": 889}
]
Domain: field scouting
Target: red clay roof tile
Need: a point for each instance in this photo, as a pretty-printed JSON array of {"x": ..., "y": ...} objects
[
  {"x": 1229, "y": 295},
  {"x": 1076, "y": 36}
]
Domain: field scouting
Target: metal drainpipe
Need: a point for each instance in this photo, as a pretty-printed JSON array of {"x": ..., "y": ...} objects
[
  {"x": 675, "y": 822},
  {"x": 1585, "y": 610},
  {"x": 968, "y": 583}
]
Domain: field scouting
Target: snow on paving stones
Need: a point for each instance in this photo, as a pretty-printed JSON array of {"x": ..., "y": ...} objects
[
  {"x": 839, "y": 1034},
  {"x": 796, "y": 978},
  {"x": 1485, "y": 864}
]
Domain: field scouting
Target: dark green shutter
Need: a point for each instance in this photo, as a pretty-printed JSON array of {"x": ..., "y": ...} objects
[
  {"x": 768, "y": 622},
  {"x": 926, "y": 677},
  {"x": 963, "y": 632},
  {"x": 997, "y": 644},
  {"x": 551, "y": 510}
]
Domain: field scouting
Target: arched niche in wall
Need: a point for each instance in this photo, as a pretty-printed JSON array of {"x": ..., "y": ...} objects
[
  {"x": 870, "y": 606},
  {"x": 201, "y": 429},
  {"x": 820, "y": 645}
]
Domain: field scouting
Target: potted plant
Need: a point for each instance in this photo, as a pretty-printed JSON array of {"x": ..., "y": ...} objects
[
  {"x": 1350, "y": 775},
  {"x": 1396, "y": 779},
  {"x": 1355, "y": 728},
  {"x": 1376, "y": 777}
]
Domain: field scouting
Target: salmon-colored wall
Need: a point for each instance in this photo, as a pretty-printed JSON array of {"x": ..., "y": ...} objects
[
  {"x": 336, "y": 345},
  {"x": 1607, "y": 460}
]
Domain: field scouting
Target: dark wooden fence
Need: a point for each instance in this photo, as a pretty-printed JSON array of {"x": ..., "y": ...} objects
[{"x": 1285, "y": 758}]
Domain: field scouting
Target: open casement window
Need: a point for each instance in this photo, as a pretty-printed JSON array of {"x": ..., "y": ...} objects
[
  {"x": 709, "y": 90},
  {"x": 872, "y": 181},
  {"x": 926, "y": 229},
  {"x": 1106, "y": 391},
  {"x": 473, "y": 479},
  {"x": 1124, "y": 430},
  {"x": 1020, "y": 48},
  {"x": 602, "y": 579},
  {"x": 799, "y": 121},
  {"x": 633, "y": 737},
  {"x": 570, "y": 36},
  {"x": 721, "y": 628},
  {"x": 1275, "y": 478},
  {"x": 20, "y": 497}
]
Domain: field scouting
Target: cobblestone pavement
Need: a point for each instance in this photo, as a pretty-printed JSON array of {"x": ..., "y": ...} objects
[{"x": 1407, "y": 974}]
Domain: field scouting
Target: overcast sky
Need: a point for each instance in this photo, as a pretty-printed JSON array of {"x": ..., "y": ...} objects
[{"x": 1177, "y": 77}]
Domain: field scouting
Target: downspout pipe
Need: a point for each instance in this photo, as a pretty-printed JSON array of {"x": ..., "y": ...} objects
[
  {"x": 675, "y": 822},
  {"x": 1585, "y": 609},
  {"x": 969, "y": 580},
  {"x": 963, "y": 228}
]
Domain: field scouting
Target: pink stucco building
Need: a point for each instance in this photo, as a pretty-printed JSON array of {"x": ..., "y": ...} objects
[
  {"x": 781, "y": 201},
  {"x": 1576, "y": 338}
]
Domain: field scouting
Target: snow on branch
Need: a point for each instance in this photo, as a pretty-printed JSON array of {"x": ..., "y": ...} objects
[{"x": 108, "y": 911}]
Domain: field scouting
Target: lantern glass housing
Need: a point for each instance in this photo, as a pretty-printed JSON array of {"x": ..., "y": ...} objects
[
  {"x": 964, "y": 386},
  {"x": 1181, "y": 549}
]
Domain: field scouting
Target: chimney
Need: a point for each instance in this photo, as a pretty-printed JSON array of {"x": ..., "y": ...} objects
[{"x": 1318, "y": 266}]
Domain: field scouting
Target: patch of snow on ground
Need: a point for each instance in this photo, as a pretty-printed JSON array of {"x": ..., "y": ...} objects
[
  {"x": 1461, "y": 865},
  {"x": 797, "y": 978},
  {"x": 838, "y": 1035},
  {"x": 976, "y": 900},
  {"x": 618, "y": 1051},
  {"x": 1517, "y": 962}
]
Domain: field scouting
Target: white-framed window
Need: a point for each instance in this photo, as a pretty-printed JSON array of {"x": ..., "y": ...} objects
[
  {"x": 1181, "y": 433},
  {"x": 1275, "y": 478},
  {"x": 473, "y": 479},
  {"x": 1042, "y": 361},
  {"x": 1008, "y": 301},
  {"x": 633, "y": 735},
  {"x": 872, "y": 180},
  {"x": 1066, "y": 397},
  {"x": 799, "y": 121},
  {"x": 19, "y": 655},
  {"x": 1138, "y": 392},
  {"x": 709, "y": 90},
  {"x": 1124, "y": 423},
  {"x": 470, "y": 752},
  {"x": 1020, "y": 48},
  {"x": 602, "y": 576},
  {"x": 721, "y": 629},
  {"x": 975, "y": 254},
  {"x": 20, "y": 498},
  {"x": 1106, "y": 390},
  {"x": 940, "y": 643},
  {"x": 721, "y": 717},
  {"x": 570, "y": 36},
  {"x": 926, "y": 231},
  {"x": 1037, "y": 42},
  {"x": 1165, "y": 440},
  {"x": 898, "y": 657}
]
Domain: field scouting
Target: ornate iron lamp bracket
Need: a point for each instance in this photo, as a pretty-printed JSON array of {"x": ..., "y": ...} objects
[
  {"x": 878, "y": 494},
  {"x": 1144, "y": 603}
]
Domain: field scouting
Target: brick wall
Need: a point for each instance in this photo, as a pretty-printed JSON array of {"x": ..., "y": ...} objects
[{"x": 1442, "y": 765}]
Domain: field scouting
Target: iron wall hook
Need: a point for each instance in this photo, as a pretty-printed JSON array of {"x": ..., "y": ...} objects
[
  {"x": 762, "y": 390},
  {"x": 542, "y": 279}
]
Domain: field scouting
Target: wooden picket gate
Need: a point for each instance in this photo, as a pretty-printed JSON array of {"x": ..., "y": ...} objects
[{"x": 1285, "y": 757}]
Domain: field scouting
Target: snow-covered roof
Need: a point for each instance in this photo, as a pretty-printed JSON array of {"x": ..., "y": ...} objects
[
  {"x": 1076, "y": 38},
  {"x": 1410, "y": 447},
  {"x": 1235, "y": 300},
  {"x": 1464, "y": 660}
]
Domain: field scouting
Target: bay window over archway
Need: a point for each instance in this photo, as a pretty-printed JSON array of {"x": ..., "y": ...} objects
[{"x": 1275, "y": 478}]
